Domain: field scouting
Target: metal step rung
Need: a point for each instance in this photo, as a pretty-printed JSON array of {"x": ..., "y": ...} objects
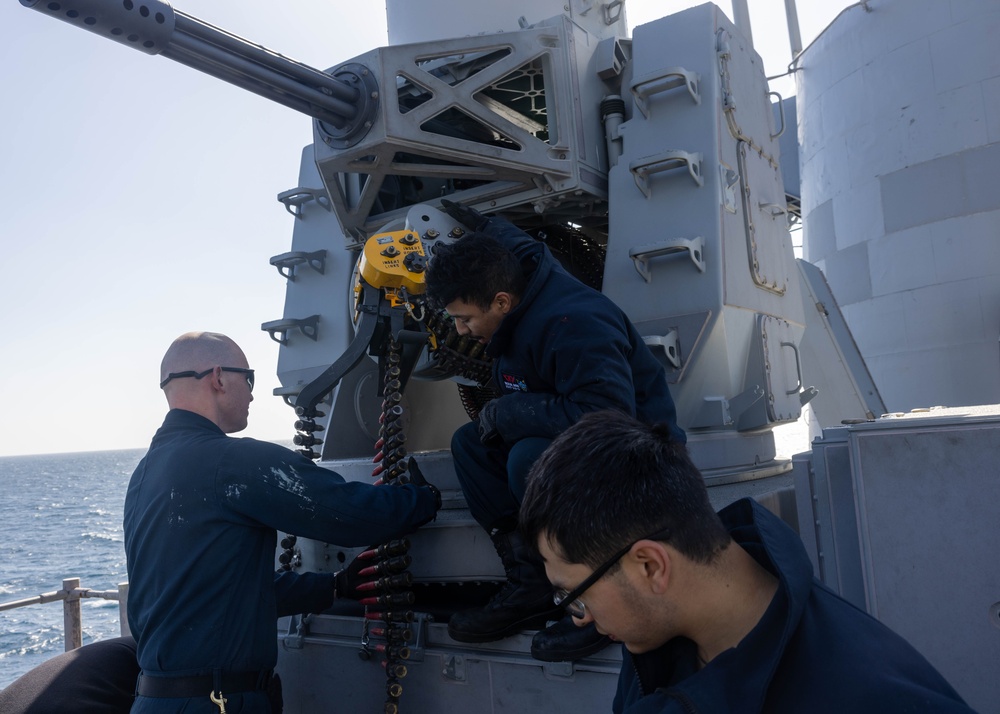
[
  {"x": 643, "y": 168},
  {"x": 288, "y": 261},
  {"x": 663, "y": 81},
  {"x": 278, "y": 329}
]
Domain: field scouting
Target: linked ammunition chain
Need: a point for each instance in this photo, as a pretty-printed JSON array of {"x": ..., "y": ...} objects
[
  {"x": 474, "y": 398},
  {"x": 462, "y": 356},
  {"x": 391, "y": 587},
  {"x": 305, "y": 431},
  {"x": 305, "y": 436},
  {"x": 289, "y": 557}
]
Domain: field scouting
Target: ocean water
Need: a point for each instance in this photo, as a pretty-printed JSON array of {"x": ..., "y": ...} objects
[{"x": 60, "y": 517}]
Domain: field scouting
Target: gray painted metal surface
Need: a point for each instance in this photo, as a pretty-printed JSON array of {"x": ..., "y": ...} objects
[
  {"x": 442, "y": 675},
  {"x": 831, "y": 360},
  {"x": 903, "y": 521}
]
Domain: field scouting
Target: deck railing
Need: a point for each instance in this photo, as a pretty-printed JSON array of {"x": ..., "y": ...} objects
[{"x": 71, "y": 595}]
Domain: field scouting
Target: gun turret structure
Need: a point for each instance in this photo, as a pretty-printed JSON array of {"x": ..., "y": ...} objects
[{"x": 650, "y": 167}]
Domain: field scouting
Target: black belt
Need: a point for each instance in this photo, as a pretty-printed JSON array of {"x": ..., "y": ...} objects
[{"x": 201, "y": 685}]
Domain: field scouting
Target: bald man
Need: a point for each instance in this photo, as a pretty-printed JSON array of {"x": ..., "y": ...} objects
[{"x": 201, "y": 515}]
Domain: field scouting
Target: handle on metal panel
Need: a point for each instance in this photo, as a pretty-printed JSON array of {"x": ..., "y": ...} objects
[
  {"x": 295, "y": 198},
  {"x": 278, "y": 329},
  {"x": 644, "y": 168},
  {"x": 663, "y": 81},
  {"x": 781, "y": 115},
  {"x": 610, "y": 14},
  {"x": 286, "y": 262},
  {"x": 798, "y": 367},
  {"x": 642, "y": 254}
]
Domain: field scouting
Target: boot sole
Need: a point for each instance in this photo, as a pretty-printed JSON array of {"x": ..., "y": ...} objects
[
  {"x": 570, "y": 655},
  {"x": 535, "y": 622}
]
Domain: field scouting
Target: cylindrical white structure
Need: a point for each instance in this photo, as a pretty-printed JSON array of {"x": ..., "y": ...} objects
[{"x": 899, "y": 133}]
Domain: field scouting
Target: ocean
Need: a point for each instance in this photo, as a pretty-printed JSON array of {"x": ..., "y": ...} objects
[{"x": 60, "y": 517}]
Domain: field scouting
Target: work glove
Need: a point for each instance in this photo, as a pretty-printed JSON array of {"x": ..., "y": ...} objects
[
  {"x": 345, "y": 583},
  {"x": 468, "y": 217},
  {"x": 487, "y": 423},
  {"x": 363, "y": 574},
  {"x": 416, "y": 477}
]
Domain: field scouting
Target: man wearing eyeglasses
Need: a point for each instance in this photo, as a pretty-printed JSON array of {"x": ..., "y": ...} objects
[
  {"x": 201, "y": 514},
  {"x": 716, "y": 612},
  {"x": 560, "y": 349}
]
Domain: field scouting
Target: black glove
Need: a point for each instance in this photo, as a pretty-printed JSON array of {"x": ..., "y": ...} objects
[
  {"x": 487, "y": 422},
  {"x": 345, "y": 583},
  {"x": 468, "y": 217},
  {"x": 416, "y": 477}
]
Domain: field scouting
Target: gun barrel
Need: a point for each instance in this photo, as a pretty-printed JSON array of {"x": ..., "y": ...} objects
[{"x": 154, "y": 27}]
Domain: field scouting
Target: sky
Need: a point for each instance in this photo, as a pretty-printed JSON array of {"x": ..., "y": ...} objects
[{"x": 137, "y": 202}]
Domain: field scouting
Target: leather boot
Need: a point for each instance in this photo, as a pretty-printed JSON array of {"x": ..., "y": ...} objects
[
  {"x": 565, "y": 642},
  {"x": 523, "y": 603}
]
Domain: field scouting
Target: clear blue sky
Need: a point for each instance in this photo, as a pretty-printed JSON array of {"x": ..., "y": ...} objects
[{"x": 137, "y": 202}]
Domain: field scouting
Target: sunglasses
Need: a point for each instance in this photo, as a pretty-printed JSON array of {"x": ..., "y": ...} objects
[
  {"x": 199, "y": 375},
  {"x": 574, "y": 605}
]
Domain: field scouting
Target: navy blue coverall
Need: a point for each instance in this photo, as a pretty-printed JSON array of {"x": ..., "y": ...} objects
[
  {"x": 201, "y": 514},
  {"x": 564, "y": 350},
  {"x": 812, "y": 651}
]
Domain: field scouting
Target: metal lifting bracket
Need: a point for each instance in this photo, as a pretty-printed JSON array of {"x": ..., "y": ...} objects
[
  {"x": 662, "y": 81},
  {"x": 294, "y": 198},
  {"x": 286, "y": 262},
  {"x": 670, "y": 344},
  {"x": 642, "y": 254},
  {"x": 280, "y": 328}
]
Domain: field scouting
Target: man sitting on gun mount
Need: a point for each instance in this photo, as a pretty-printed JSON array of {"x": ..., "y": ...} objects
[
  {"x": 560, "y": 349},
  {"x": 717, "y": 612}
]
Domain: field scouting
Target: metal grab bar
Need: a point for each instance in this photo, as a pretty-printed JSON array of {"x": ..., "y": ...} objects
[
  {"x": 646, "y": 167},
  {"x": 642, "y": 254},
  {"x": 286, "y": 262},
  {"x": 278, "y": 329},
  {"x": 294, "y": 198},
  {"x": 663, "y": 81}
]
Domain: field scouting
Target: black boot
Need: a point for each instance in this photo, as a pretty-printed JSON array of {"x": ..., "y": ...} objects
[
  {"x": 523, "y": 603},
  {"x": 565, "y": 642}
]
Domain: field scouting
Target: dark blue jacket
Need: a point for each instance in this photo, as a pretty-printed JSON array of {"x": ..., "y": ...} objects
[
  {"x": 201, "y": 513},
  {"x": 811, "y": 653},
  {"x": 567, "y": 349}
]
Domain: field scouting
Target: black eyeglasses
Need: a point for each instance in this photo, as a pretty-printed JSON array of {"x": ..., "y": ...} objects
[
  {"x": 574, "y": 605},
  {"x": 199, "y": 375}
]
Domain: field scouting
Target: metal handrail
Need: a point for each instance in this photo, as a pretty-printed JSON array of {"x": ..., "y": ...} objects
[{"x": 71, "y": 595}]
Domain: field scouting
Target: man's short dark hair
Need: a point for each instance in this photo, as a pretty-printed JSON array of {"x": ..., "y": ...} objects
[
  {"x": 610, "y": 480},
  {"x": 473, "y": 269}
]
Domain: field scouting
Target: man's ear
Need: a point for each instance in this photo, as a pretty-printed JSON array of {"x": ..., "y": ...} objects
[
  {"x": 215, "y": 379},
  {"x": 654, "y": 564},
  {"x": 504, "y": 301}
]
